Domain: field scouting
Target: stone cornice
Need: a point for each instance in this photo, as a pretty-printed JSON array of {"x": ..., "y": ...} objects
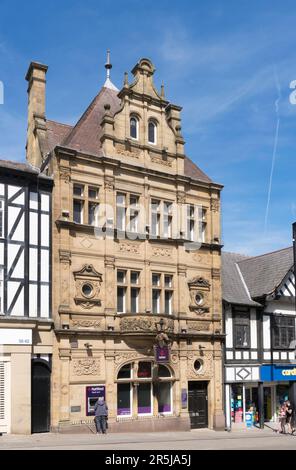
[{"x": 136, "y": 168}]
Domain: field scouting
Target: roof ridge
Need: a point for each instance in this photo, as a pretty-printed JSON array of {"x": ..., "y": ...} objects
[
  {"x": 235, "y": 253},
  {"x": 271, "y": 252}
]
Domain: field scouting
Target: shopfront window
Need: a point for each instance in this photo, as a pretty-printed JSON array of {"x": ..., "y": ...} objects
[
  {"x": 244, "y": 398},
  {"x": 144, "y": 398},
  {"x": 135, "y": 386},
  {"x": 237, "y": 404},
  {"x": 124, "y": 399},
  {"x": 164, "y": 398}
]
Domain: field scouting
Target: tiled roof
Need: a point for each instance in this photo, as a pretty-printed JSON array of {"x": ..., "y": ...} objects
[
  {"x": 85, "y": 135},
  {"x": 234, "y": 289},
  {"x": 56, "y": 132},
  {"x": 263, "y": 274},
  {"x": 192, "y": 170},
  {"x": 9, "y": 165}
]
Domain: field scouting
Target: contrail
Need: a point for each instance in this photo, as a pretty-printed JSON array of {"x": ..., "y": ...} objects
[{"x": 275, "y": 143}]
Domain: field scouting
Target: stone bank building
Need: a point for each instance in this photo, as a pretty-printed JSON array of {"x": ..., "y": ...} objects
[{"x": 128, "y": 280}]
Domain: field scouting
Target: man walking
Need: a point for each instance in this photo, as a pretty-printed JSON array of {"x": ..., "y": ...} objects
[{"x": 101, "y": 415}]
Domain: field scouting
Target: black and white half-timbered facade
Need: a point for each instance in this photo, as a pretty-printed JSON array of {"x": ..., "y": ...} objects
[
  {"x": 25, "y": 298},
  {"x": 259, "y": 323}
]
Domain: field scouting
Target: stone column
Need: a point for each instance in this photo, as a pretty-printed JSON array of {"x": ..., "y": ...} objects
[
  {"x": 218, "y": 417},
  {"x": 21, "y": 391},
  {"x": 111, "y": 389},
  {"x": 183, "y": 375},
  {"x": 65, "y": 356}
]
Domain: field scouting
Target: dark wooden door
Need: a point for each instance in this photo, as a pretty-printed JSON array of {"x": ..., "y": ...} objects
[
  {"x": 40, "y": 396},
  {"x": 198, "y": 404}
]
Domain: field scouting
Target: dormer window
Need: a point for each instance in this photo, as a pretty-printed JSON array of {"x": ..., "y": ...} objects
[
  {"x": 152, "y": 132},
  {"x": 134, "y": 127}
]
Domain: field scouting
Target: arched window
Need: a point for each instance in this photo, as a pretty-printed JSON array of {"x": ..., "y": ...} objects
[
  {"x": 135, "y": 385},
  {"x": 152, "y": 132},
  {"x": 134, "y": 127}
]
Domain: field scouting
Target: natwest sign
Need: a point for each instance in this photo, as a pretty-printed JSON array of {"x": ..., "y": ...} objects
[{"x": 162, "y": 354}]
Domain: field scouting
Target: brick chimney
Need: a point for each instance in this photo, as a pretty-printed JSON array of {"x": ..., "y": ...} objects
[{"x": 36, "y": 129}]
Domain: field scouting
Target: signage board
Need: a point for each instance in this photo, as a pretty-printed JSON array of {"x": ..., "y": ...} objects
[
  {"x": 275, "y": 373},
  {"x": 184, "y": 398},
  {"x": 15, "y": 336},
  {"x": 162, "y": 354},
  {"x": 249, "y": 419},
  {"x": 93, "y": 393}
]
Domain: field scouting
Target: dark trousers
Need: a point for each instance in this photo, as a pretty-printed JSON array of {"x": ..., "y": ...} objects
[{"x": 100, "y": 424}]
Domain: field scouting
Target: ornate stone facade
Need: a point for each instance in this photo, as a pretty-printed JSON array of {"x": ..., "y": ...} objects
[{"x": 115, "y": 295}]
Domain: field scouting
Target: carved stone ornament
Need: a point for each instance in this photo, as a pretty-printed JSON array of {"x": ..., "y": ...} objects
[
  {"x": 86, "y": 323},
  {"x": 65, "y": 174},
  {"x": 200, "y": 366},
  {"x": 198, "y": 326},
  {"x": 87, "y": 283},
  {"x": 129, "y": 248},
  {"x": 215, "y": 205},
  {"x": 109, "y": 183},
  {"x": 199, "y": 290},
  {"x": 130, "y": 356},
  {"x": 86, "y": 367},
  {"x": 142, "y": 324},
  {"x": 161, "y": 161},
  {"x": 161, "y": 252},
  {"x": 181, "y": 197}
]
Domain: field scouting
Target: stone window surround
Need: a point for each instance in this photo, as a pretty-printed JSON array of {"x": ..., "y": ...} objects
[
  {"x": 85, "y": 199},
  {"x": 128, "y": 286}
]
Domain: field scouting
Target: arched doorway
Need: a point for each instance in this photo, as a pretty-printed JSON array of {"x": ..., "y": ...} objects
[{"x": 40, "y": 401}]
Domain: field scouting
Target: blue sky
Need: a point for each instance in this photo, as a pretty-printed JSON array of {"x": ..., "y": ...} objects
[{"x": 226, "y": 62}]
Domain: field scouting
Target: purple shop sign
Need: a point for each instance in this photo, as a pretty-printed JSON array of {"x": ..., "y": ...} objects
[
  {"x": 184, "y": 397},
  {"x": 124, "y": 411},
  {"x": 92, "y": 394},
  {"x": 144, "y": 410},
  {"x": 162, "y": 354},
  {"x": 164, "y": 408}
]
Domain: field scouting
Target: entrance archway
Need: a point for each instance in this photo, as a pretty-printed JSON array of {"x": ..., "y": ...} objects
[{"x": 40, "y": 402}]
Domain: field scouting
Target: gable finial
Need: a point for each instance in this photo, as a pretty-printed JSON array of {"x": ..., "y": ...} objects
[
  {"x": 108, "y": 65},
  {"x": 162, "y": 91},
  {"x": 125, "y": 83}
]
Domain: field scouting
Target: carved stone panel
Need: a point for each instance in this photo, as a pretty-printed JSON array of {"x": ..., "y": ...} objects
[
  {"x": 199, "y": 365},
  {"x": 87, "y": 366},
  {"x": 161, "y": 252},
  {"x": 198, "y": 325},
  {"x": 143, "y": 324},
  {"x": 79, "y": 323},
  {"x": 130, "y": 248}
]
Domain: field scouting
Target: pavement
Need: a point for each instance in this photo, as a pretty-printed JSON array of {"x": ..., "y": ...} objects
[{"x": 198, "y": 439}]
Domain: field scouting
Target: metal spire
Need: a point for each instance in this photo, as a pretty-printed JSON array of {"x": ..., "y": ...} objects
[{"x": 108, "y": 67}]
